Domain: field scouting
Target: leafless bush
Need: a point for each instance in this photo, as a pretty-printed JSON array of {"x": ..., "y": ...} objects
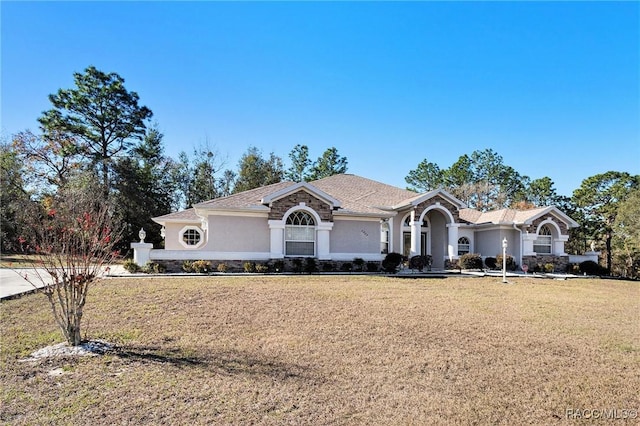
[{"x": 73, "y": 241}]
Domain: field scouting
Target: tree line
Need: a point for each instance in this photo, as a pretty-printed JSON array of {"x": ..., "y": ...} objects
[{"x": 98, "y": 137}]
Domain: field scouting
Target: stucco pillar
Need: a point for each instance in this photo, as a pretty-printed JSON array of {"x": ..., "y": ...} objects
[
  {"x": 323, "y": 251},
  {"x": 392, "y": 236},
  {"x": 452, "y": 244},
  {"x": 276, "y": 228},
  {"x": 416, "y": 227},
  {"x": 141, "y": 253},
  {"x": 527, "y": 244},
  {"x": 558, "y": 245}
]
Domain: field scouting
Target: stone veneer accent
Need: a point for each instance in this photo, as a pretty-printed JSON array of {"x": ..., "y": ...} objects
[
  {"x": 282, "y": 205},
  {"x": 444, "y": 203},
  {"x": 560, "y": 263},
  {"x": 564, "y": 230}
]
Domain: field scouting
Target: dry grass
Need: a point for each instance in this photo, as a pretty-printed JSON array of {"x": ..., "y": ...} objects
[{"x": 330, "y": 350}]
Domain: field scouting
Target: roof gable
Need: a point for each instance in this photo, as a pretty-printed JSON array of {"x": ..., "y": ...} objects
[
  {"x": 421, "y": 198},
  {"x": 304, "y": 186},
  {"x": 528, "y": 216}
]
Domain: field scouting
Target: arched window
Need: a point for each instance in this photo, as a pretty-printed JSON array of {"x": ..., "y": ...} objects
[
  {"x": 300, "y": 234},
  {"x": 542, "y": 243},
  {"x": 464, "y": 246}
]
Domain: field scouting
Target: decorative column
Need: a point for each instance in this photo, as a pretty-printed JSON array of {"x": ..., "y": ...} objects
[
  {"x": 558, "y": 245},
  {"x": 452, "y": 245},
  {"x": 527, "y": 244},
  {"x": 141, "y": 250},
  {"x": 323, "y": 249},
  {"x": 276, "y": 228},
  {"x": 416, "y": 228}
]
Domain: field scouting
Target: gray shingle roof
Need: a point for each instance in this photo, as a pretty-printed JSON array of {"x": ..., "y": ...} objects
[
  {"x": 361, "y": 195},
  {"x": 500, "y": 216},
  {"x": 357, "y": 196}
]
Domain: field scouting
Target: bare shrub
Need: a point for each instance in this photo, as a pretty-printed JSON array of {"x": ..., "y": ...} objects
[{"x": 73, "y": 241}]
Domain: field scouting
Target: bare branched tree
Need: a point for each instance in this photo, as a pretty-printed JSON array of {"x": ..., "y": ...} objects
[{"x": 73, "y": 243}]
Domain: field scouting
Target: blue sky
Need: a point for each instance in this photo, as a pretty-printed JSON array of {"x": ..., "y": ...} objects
[{"x": 553, "y": 87}]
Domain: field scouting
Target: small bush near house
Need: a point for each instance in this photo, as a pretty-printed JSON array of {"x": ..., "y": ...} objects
[
  {"x": 262, "y": 268},
  {"x": 491, "y": 263},
  {"x": 511, "y": 263},
  {"x": 311, "y": 265},
  {"x": 548, "y": 268},
  {"x": 372, "y": 267},
  {"x": 573, "y": 268},
  {"x": 391, "y": 262},
  {"x": 297, "y": 265},
  {"x": 187, "y": 266},
  {"x": 278, "y": 266},
  {"x": 590, "y": 267},
  {"x": 130, "y": 266},
  {"x": 201, "y": 266},
  {"x": 358, "y": 262},
  {"x": 249, "y": 267},
  {"x": 470, "y": 261},
  {"x": 328, "y": 267},
  {"x": 154, "y": 268},
  {"x": 346, "y": 267},
  {"x": 222, "y": 267},
  {"x": 418, "y": 262}
]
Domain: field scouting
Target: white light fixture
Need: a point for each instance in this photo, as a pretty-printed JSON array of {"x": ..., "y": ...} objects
[{"x": 163, "y": 232}]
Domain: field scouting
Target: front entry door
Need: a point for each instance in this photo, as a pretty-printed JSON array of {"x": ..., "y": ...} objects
[{"x": 406, "y": 240}]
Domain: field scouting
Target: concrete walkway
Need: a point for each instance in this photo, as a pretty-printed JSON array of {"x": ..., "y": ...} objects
[{"x": 13, "y": 283}]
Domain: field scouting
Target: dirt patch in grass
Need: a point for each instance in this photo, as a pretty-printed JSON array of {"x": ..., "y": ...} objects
[{"x": 329, "y": 350}]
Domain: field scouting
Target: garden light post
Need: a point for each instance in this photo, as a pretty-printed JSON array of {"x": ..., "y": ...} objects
[{"x": 504, "y": 260}]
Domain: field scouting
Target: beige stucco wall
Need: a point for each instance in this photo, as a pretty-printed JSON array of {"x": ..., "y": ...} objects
[
  {"x": 238, "y": 234},
  {"x": 172, "y": 236},
  {"x": 466, "y": 232},
  {"x": 489, "y": 243},
  {"x": 355, "y": 236}
]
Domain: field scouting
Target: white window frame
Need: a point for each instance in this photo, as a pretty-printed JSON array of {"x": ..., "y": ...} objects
[
  {"x": 311, "y": 230},
  {"x": 544, "y": 239},
  {"x": 464, "y": 247},
  {"x": 384, "y": 237},
  {"x": 191, "y": 228}
]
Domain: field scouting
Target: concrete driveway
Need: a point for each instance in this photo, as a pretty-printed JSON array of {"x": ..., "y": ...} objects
[{"x": 13, "y": 283}]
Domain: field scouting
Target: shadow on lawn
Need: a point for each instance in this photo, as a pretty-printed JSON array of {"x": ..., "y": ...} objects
[
  {"x": 228, "y": 363},
  {"x": 152, "y": 354}
]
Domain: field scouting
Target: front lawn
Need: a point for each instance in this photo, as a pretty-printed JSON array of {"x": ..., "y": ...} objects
[{"x": 329, "y": 350}]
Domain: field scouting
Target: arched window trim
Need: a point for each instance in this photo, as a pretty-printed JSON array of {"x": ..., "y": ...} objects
[
  {"x": 543, "y": 243},
  {"x": 407, "y": 220},
  {"x": 300, "y": 234},
  {"x": 464, "y": 246}
]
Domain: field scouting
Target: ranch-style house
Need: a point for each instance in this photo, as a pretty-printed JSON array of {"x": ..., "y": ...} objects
[{"x": 343, "y": 217}]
